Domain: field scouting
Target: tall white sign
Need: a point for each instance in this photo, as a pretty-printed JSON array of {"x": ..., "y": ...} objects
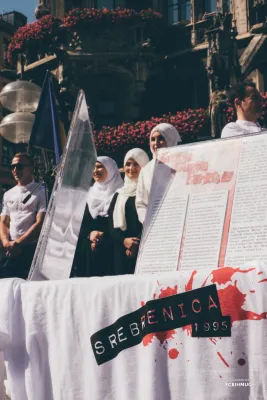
[{"x": 58, "y": 239}]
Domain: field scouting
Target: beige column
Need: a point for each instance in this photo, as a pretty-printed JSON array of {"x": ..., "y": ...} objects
[
  {"x": 240, "y": 11},
  {"x": 257, "y": 77},
  {"x": 193, "y": 21}
]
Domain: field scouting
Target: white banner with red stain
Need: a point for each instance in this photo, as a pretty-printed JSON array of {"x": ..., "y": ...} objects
[{"x": 50, "y": 356}]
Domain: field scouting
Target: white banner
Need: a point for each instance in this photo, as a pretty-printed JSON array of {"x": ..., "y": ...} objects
[{"x": 208, "y": 206}]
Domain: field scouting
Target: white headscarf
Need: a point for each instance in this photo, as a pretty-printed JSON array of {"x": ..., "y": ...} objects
[
  {"x": 100, "y": 194},
  {"x": 170, "y": 134},
  {"x": 129, "y": 188}
]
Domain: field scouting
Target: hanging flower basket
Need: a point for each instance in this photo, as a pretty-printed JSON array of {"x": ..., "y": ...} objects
[
  {"x": 190, "y": 124},
  {"x": 34, "y": 38},
  {"x": 84, "y": 18}
]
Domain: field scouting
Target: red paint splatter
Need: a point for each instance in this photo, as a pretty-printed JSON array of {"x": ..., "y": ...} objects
[
  {"x": 224, "y": 275},
  {"x": 161, "y": 336},
  {"x": 164, "y": 336},
  {"x": 189, "y": 285},
  {"x": 142, "y": 303},
  {"x": 148, "y": 339},
  {"x": 223, "y": 360},
  {"x": 168, "y": 292},
  {"x": 252, "y": 291},
  {"x": 173, "y": 353},
  {"x": 260, "y": 273},
  {"x": 263, "y": 280},
  {"x": 204, "y": 284},
  {"x": 220, "y": 376},
  {"x": 212, "y": 340},
  {"x": 232, "y": 300},
  {"x": 188, "y": 329},
  {"x": 241, "y": 361}
]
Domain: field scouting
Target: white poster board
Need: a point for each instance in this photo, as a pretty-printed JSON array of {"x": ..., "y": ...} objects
[
  {"x": 208, "y": 206},
  {"x": 58, "y": 239}
]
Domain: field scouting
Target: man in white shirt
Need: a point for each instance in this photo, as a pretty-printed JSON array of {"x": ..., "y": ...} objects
[
  {"x": 20, "y": 223},
  {"x": 247, "y": 102}
]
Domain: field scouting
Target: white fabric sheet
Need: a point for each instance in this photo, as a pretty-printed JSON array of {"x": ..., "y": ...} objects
[
  {"x": 49, "y": 325},
  {"x": 143, "y": 189}
]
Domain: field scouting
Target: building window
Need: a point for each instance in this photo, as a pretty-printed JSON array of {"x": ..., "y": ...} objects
[
  {"x": 179, "y": 10},
  {"x": 210, "y": 6},
  {"x": 139, "y": 5},
  {"x": 110, "y": 4}
]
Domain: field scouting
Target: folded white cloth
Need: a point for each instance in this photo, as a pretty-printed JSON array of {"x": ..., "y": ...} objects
[
  {"x": 50, "y": 355},
  {"x": 8, "y": 290}
]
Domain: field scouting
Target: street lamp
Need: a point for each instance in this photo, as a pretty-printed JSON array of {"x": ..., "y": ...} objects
[
  {"x": 20, "y": 97},
  {"x": 16, "y": 127}
]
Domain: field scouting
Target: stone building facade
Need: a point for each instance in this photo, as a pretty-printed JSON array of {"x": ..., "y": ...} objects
[
  {"x": 207, "y": 45},
  {"x": 204, "y": 46}
]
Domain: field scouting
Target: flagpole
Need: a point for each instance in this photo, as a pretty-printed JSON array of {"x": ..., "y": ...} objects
[{"x": 46, "y": 162}]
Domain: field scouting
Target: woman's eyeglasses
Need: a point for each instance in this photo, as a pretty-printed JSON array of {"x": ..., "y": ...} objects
[{"x": 19, "y": 166}]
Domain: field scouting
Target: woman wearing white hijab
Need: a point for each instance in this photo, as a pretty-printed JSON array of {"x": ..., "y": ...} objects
[
  {"x": 163, "y": 135},
  {"x": 96, "y": 250},
  {"x": 125, "y": 229}
]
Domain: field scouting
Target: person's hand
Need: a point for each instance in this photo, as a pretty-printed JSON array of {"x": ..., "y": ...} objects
[
  {"x": 131, "y": 254},
  {"x": 6, "y": 243},
  {"x": 13, "y": 250},
  {"x": 131, "y": 243},
  {"x": 94, "y": 246},
  {"x": 96, "y": 236}
]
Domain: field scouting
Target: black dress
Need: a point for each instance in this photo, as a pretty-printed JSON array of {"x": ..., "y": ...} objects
[
  {"x": 122, "y": 263},
  {"x": 93, "y": 263}
]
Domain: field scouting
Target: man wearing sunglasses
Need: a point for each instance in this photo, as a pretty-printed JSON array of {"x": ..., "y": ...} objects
[{"x": 20, "y": 223}]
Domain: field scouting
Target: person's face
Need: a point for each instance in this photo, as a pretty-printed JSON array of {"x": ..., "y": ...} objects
[
  {"x": 157, "y": 141},
  {"x": 132, "y": 169},
  {"x": 251, "y": 105},
  {"x": 100, "y": 173},
  {"x": 21, "y": 170}
]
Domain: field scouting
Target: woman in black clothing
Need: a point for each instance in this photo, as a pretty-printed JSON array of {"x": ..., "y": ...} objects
[
  {"x": 94, "y": 254},
  {"x": 125, "y": 229}
]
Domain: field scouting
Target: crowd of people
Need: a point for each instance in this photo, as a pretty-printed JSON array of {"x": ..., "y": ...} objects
[{"x": 115, "y": 208}]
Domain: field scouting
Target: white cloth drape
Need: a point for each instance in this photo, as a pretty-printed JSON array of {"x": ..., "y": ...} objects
[
  {"x": 170, "y": 134},
  {"x": 129, "y": 188},
  {"x": 172, "y": 137},
  {"x": 50, "y": 324},
  {"x": 100, "y": 194}
]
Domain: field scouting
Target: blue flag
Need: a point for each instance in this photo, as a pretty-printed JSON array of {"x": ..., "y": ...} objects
[{"x": 48, "y": 131}]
